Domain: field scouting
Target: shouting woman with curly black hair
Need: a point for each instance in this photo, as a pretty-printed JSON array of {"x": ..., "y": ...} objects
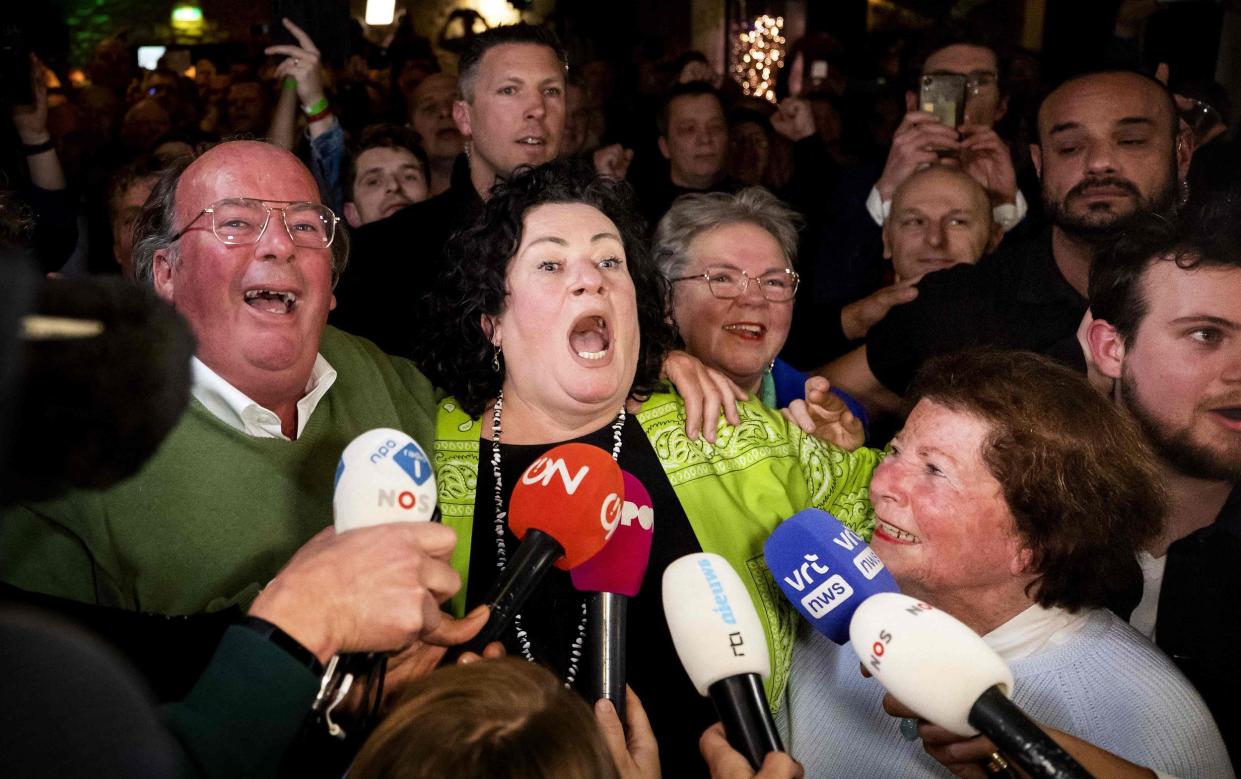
[{"x": 551, "y": 327}]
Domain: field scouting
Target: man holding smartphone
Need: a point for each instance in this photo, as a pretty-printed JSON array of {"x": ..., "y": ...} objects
[{"x": 924, "y": 139}]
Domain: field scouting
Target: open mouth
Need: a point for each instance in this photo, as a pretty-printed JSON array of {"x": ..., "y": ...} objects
[
  {"x": 271, "y": 301},
  {"x": 750, "y": 331},
  {"x": 891, "y": 532},
  {"x": 1232, "y": 413},
  {"x": 590, "y": 338},
  {"x": 532, "y": 140}
]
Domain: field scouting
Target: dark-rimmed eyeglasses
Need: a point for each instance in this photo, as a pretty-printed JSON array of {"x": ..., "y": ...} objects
[
  {"x": 239, "y": 221},
  {"x": 776, "y": 286}
]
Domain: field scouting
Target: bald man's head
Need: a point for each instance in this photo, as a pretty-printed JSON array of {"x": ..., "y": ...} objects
[{"x": 940, "y": 217}]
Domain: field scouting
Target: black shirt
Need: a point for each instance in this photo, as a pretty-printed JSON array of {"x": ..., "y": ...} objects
[
  {"x": 1199, "y": 618},
  {"x": 551, "y": 617},
  {"x": 1014, "y": 299},
  {"x": 394, "y": 263}
]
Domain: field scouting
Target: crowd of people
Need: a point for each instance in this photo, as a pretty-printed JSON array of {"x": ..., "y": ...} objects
[{"x": 1006, "y": 353}]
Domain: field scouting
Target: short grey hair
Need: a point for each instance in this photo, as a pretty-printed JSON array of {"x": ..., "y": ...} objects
[
  {"x": 694, "y": 214},
  {"x": 157, "y": 224}
]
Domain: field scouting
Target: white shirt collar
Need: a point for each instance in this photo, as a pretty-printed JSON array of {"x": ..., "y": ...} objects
[
  {"x": 234, "y": 408},
  {"x": 1035, "y": 630}
]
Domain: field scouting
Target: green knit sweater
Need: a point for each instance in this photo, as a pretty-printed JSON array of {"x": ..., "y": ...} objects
[{"x": 215, "y": 513}]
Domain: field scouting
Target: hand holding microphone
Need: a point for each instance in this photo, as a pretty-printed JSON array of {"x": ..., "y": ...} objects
[
  {"x": 946, "y": 673},
  {"x": 721, "y": 643}
]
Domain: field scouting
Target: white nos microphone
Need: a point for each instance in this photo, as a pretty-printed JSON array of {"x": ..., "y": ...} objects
[
  {"x": 926, "y": 658},
  {"x": 936, "y": 665},
  {"x": 383, "y": 476},
  {"x": 721, "y": 643}
]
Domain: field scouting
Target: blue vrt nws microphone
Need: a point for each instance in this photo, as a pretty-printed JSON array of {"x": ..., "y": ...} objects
[{"x": 825, "y": 570}]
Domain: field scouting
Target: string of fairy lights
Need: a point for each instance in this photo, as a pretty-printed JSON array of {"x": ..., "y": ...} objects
[{"x": 758, "y": 53}]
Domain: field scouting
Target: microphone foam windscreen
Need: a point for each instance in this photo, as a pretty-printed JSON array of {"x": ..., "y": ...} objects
[
  {"x": 572, "y": 493},
  {"x": 621, "y": 564},
  {"x": 928, "y": 659},
  {"x": 716, "y": 631},
  {"x": 383, "y": 476},
  {"x": 825, "y": 570}
]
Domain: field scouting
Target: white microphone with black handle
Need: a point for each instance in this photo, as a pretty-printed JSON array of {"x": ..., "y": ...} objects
[
  {"x": 937, "y": 666},
  {"x": 383, "y": 476},
  {"x": 721, "y": 643}
]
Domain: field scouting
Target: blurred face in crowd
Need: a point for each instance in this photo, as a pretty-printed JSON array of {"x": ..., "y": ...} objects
[
  {"x": 749, "y": 148},
  {"x": 161, "y": 86},
  {"x": 738, "y": 336},
  {"x": 431, "y": 116},
  {"x": 388, "y": 179},
  {"x": 247, "y": 108},
  {"x": 940, "y": 217},
  {"x": 515, "y": 115},
  {"x": 124, "y": 210},
  {"x": 1106, "y": 150},
  {"x": 942, "y": 525},
  {"x": 257, "y": 310},
  {"x": 984, "y": 105},
  {"x": 697, "y": 141},
  {"x": 144, "y": 124},
  {"x": 1180, "y": 373},
  {"x": 569, "y": 328},
  {"x": 576, "y": 121}
]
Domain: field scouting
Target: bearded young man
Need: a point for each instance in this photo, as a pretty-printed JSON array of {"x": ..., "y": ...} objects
[{"x": 1167, "y": 333}]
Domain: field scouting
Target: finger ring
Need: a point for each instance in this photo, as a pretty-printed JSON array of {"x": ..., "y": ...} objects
[
  {"x": 997, "y": 765},
  {"x": 909, "y": 728}
]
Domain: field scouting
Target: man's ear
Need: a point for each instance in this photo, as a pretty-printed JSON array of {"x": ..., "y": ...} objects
[
  {"x": 1184, "y": 152},
  {"x": 1036, "y": 156},
  {"x": 461, "y": 115},
  {"x": 997, "y": 235},
  {"x": 887, "y": 241},
  {"x": 161, "y": 274},
  {"x": 663, "y": 148},
  {"x": 352, "y": 216},
  {"x": 1001, "y": 108},
  {"x": 1107, "y": 348}
]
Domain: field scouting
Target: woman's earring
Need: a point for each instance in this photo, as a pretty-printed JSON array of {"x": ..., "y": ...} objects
[{"x": 495, "y": 359}]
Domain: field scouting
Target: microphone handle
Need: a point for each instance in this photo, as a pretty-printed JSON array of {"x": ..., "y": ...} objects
[
  {"x": 537, "y": 553},
  {"x": 1018, "y": 737},
  {"x": 607, "y": 613},
  {"x": 742, "y": 705}
]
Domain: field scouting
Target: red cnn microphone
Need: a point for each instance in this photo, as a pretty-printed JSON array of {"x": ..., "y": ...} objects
[
  {"x": 612, "y": 577},
  {"x": 561, "y": 510}
]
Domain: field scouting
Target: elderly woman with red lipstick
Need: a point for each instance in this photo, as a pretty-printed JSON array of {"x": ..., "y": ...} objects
[
  {"x": 551, "y": 327},
  {"x": 1015, "y": 498},
  {"x": 729, "y": 258}
]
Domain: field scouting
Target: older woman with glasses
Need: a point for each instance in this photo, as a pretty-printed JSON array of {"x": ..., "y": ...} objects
[
  {"x": 552, "y": 325},
  {"x": 730, "y": 261}
]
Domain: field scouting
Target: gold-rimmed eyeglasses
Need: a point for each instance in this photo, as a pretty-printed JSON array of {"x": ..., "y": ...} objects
[{"x": 238, "y": 221}]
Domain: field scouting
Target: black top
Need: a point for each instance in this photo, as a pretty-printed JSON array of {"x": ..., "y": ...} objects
[
  {"x": 1199, "y": 617},
  {"x": 394, "y": 263},
  {"x": 551, "y": 617},
  {"x": 1014, "y": 299}
]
